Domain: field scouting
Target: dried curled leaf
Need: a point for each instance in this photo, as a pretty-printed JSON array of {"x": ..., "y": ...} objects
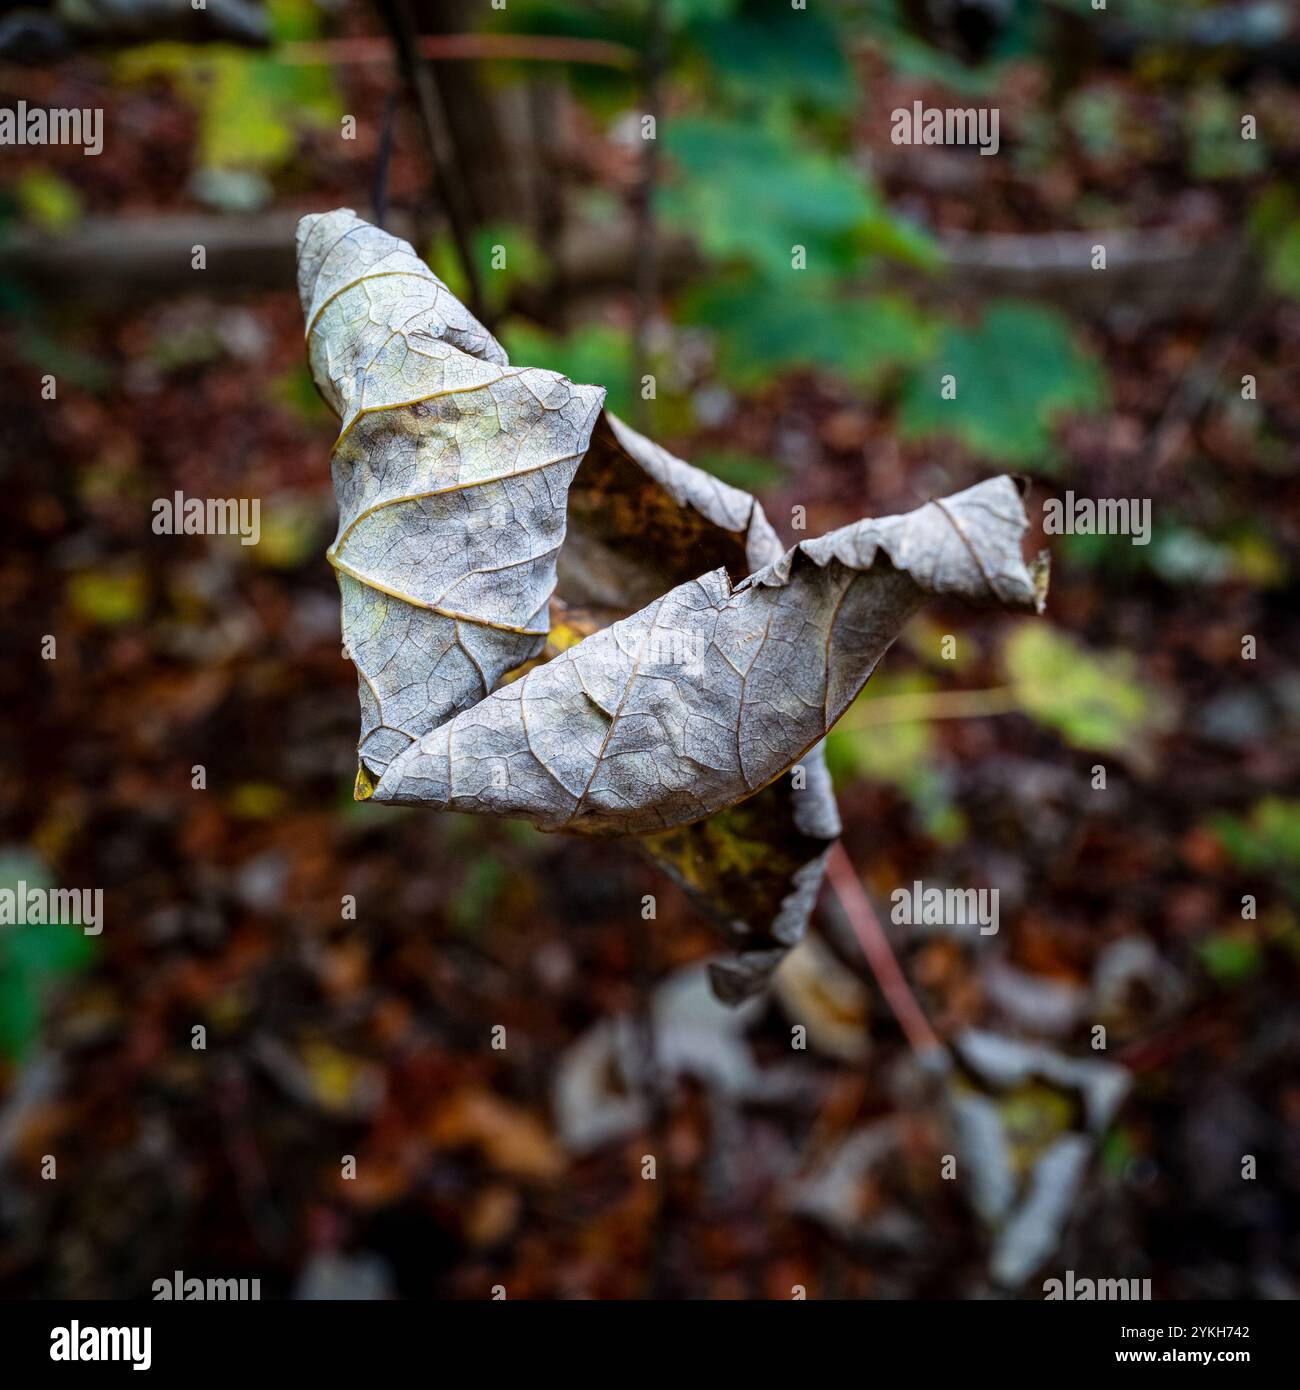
[
  {"x": 642, "y": 520},
  {"x": 454, "y": 472},
  {"x": 450, "y": 469},
  {"x": 710, "y": 692}
]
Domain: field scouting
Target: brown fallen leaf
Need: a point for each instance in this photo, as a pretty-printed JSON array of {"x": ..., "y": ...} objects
[
  {"x": 512, "y": 1140},
  {"x": 816, "y": 990}
]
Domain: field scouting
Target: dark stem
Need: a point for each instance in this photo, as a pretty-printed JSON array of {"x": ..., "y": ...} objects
[
  {"x": 656, "y": 1091},
  {"x": 548, "y": 194},
  {"x": 647, "y": 267},
  {"x": 418, "y": 75},
  {"x": 380, "y": 199}
]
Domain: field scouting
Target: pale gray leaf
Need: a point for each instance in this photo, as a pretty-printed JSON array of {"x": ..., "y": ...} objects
[
  {"x": 450, "y": 469},
  {"x": 452, "y": 472},
  {"x": 710, "y": 692}
]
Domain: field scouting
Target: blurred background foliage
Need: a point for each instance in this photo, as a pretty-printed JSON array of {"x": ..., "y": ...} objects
[{"x": 971, "y": 762}]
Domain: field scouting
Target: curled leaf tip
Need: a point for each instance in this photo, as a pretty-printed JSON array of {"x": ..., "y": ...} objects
[
  {"x": 711, "y": 692},
  {"x": 451, "y": 470}
]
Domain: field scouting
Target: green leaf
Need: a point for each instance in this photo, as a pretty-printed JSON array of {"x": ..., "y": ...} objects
[
  {"x": 46, "y": 949},
  {"x": 20, "y": 1013},
  {"x": 47, "y": 201},
  {"x": 504, "y": 254},
  {"x": 1017, "y": 370},
  {"x": 1230, "y": 957},
  {"x": 32, "y": 957},
  {"x": 778, "y": 51},
  {"x": 620, "y": 21},
  {"x": 110, "y": 596},
  {"x": 251, "y": 107},
  {"x": 893, "y": 755},
  {"x": 1092, "y": 699},
  {"x": 1096, "y": 117},
  {"x": 1282, "y": 265},
  {"x": 1117, "y": 1151},
  {"x": 1267, "y": 841},
  {"x": 855, "y": 339},
  {"x": 750, "y": 195},
  {"x": 1213, "y": 121}
]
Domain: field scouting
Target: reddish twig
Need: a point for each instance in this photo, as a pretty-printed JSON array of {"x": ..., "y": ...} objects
[
  {"x": 534, "y": 48},
  {"x": 843, "y": 878}
]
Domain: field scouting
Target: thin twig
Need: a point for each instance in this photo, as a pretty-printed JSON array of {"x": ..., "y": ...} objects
[
  {"x": 655, "y": 1086},
  {"x": 1198, "y": 383},
  {"x": 926, "y": 705},
  {"x": 647, "y": 265},
  {"x": 418, "y": 75},
  {"x": 533, "y": 48},
  {"x": 548, "y": 194},
  {"x": 380, "y": 200},
  {"x": 843, "y": 878}
]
